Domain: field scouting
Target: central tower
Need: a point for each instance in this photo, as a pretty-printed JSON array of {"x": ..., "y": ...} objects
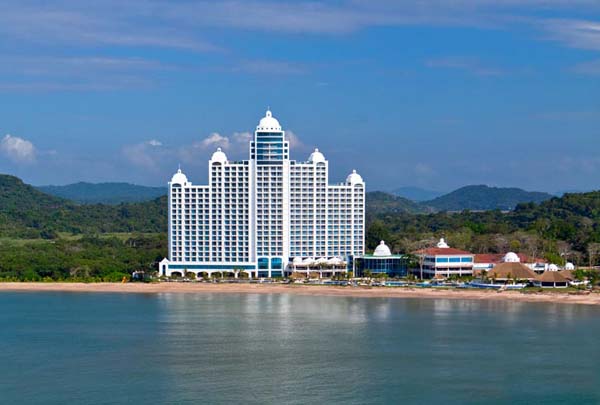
[{"x": 270, "y": 168}]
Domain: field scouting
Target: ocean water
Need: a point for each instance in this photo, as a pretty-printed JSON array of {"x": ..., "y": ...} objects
[{"x": 64, "y": 348}]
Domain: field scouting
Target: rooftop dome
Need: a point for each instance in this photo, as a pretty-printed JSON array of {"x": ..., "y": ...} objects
[
  {"x": 354, "y": 178},
  {"x": 219, "y": 156},
  {"x": 316, "y": 157},
  {"x": 268, "y": 123},
  {"x": 511, "y": 257},
  {"x": 382, "y": 250},
  {"x": 553, "y": 267},
  {"x": 442, "y": 244},
  {"x": 179, "y": 178},
  {"x": 569, "y": 266}
]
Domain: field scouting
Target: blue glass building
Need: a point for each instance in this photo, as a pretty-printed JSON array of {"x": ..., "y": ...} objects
[{"x": 382, "y": 261}]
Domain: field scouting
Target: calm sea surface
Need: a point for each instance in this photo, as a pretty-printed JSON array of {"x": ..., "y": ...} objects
[{"x": 210, "y": 348}]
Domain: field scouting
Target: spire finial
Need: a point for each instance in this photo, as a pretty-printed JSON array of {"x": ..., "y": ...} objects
[{"x": 179, "y": 167}]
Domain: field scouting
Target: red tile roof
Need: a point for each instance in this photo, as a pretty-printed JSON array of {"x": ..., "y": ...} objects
[
  {"x": 497, "y": 258},
  {"x": 488, "y": 258},
  {"x": 435, "y": 251}
]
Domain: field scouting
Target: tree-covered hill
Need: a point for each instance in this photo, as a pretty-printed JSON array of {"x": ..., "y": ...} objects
[
  {"x": 481, "y": 197},
  {"x": 379, "y": 202},
  {"x": 104, "y": 193},
  {"x": 27, "y": 212},
  {"x": 560, "y": 228}
]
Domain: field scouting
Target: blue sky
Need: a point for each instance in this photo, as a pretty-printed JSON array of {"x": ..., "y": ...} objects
[{"x": 429, "y": 93}]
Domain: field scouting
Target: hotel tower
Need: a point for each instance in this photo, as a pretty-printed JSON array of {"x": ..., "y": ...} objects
[{"x": 267, "y": 216}]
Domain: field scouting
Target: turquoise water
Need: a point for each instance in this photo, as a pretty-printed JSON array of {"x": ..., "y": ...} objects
[{"x": 211, "y": 348}]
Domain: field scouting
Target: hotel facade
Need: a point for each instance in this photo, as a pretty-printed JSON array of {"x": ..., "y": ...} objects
[
  {"x": 267, "y": 216},
  {"x": 444, "y": 261}
]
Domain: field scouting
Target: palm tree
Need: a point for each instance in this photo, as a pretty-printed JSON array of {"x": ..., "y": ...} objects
[{"x": 412, "y": 262}]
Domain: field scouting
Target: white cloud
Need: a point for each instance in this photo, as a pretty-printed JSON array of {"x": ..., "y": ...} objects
[
  {"x": 146, "y": 155},
  {"x": 199, "y": 150},
  {"x": 573, "y": 33},
  {"x": 214, "y": 140},
  {"x": 242, "y": 138},
  {"x": 102, "y": 23},
  {"x": 17, "y": 149},
  {"x": 154, "y": 142},
  {"x": 182, "y": 25},
  {"x": 235, "y": 143},
  {"x": 294, "y": 141}
]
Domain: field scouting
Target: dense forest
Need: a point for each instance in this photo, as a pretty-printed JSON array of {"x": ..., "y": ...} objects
[
  {"x": 26, "y": 212},
  {"x": 104, "y": 193},
  {"x": 46, "y": 237}
]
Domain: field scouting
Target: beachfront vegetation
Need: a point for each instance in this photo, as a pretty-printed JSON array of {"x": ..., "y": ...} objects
[{"x": 85, "y": 258}]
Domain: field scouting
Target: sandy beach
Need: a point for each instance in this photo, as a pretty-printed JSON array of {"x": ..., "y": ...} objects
[{"x": 366, "y": 292}]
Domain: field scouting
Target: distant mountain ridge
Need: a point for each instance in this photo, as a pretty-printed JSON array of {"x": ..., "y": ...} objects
[
  {"x": 483, "y": 198},
  {"x": 474, "y": 198},
  {"x": 104, "y": 193},
  {"x": 417, "y": 194}
]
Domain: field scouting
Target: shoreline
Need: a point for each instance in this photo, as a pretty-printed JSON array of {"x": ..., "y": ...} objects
[{"x": 311, "y": 290}]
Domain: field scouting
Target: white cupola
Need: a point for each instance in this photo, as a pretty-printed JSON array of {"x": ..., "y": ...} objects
[
  {"x": 442, "y": 244},
  {"x": 268, "y": 123},
  {"x": 219, "y": 156},
  {"x": 354, "y": 178},
  {"x": 179, "y": 178},
  {"x": 316, "y": 157},
  {"x": 511, "y": 257},
  {"x": 382, "y": 250}
]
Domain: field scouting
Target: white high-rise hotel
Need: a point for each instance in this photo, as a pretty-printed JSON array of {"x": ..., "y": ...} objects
[{"x": 267, "y": 216}]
